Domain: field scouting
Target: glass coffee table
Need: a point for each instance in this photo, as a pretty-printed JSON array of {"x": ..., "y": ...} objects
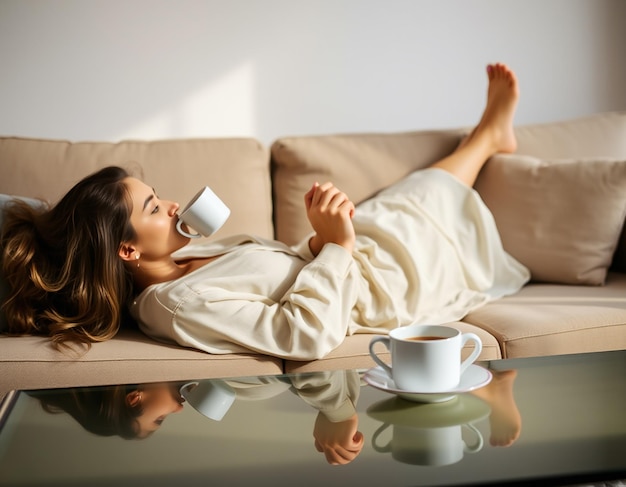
[{"x": 539, "y": 421}]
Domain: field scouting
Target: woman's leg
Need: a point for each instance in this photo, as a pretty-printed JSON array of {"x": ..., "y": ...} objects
[{"x": 493, "y": 134}]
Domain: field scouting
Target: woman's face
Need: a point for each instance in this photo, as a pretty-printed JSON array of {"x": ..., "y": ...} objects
[
  {"x": 154, "y": 221},
  {"x": 158, "y": 401}
]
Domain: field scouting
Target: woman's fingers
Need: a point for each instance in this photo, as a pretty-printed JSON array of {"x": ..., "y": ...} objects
[
  {"x": 308, "y": 197},
  {"x": 327, "y": 197},
  {"x": 324, "y": 194},
  {"x": 329, "y": 211}
]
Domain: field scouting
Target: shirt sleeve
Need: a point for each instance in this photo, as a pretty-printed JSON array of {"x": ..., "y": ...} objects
[
  {"x": 302, "y": 248},
  {"x": 333, "y": 393},
  {"x": 308, "y": 322}
]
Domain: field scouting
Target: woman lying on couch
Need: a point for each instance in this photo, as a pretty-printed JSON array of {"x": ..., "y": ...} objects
[{"x": 423, "y": 250}]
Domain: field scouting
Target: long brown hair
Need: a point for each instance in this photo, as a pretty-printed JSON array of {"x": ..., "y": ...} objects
[
  {"x": 102, "y": 411},
  {"x": 62, "y": 264}
]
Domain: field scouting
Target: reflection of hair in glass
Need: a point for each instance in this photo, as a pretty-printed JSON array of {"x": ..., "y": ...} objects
[{"x": 103, "y": 411}]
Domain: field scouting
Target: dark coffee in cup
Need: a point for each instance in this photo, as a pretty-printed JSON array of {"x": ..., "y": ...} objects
[{"x": 425, "y": 338}]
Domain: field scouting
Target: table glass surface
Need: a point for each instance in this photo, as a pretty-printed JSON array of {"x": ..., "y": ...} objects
[{"x": 559, "y": 419}]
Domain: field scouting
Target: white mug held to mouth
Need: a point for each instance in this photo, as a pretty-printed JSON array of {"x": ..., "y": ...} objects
[{"x": 205, "y": 213}]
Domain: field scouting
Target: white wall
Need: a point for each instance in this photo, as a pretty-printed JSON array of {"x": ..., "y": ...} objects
[{"x": 116, "y": 69}]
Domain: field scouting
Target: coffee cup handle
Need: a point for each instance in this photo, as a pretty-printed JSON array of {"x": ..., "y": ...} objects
[
  {"x": 478, "y": 347},
  {"x": 184, "y": 389},
  {"x": 180, "y": 230},
  {"x": 385, "y": 341},
  {"x": 479, "y": 440}
]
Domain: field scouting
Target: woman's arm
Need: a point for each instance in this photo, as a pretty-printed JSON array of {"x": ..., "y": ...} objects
[{"x": 308, "y": 321}]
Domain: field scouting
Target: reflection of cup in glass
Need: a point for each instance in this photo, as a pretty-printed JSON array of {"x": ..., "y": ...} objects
[
  {"x": 205, "y": 213},
  {"x": 426, "y": 358},
  {"x": 212, "y": 398},
  {"x": 427, "y": 446},
  {"x": 429, "y": 434}
]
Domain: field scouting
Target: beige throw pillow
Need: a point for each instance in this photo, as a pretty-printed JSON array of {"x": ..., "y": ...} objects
[{"x": 560, "y": 218}]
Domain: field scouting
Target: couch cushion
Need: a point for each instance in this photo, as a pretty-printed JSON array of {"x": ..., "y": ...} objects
[
  {"x": 236, "y": 169},
  {"x": 30, "y": 362},
  {"x": 354, "y": 352},
  {"x": 359, "y": 164},
  {"x": 593, "y": 136},
  {"x": 598, "y": 135},
  {"x": 551, "y": 319},
  {"x": 560, "y": 218}
]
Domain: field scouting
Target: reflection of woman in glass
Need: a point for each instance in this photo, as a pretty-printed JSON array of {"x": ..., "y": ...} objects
[
  {"x": 333, "y": 394},
  {"x": 505, "y": 419},
  {"x": 128, "y": 411}
]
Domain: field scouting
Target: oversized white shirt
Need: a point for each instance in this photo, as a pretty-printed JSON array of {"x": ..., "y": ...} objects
[{"x": 427, "y": 251}]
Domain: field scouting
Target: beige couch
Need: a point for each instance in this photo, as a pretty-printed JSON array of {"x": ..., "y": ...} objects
[{"x": 559, "y": 203}]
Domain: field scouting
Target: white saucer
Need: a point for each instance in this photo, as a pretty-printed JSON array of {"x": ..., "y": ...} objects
[{"x": 473, "y": 378}]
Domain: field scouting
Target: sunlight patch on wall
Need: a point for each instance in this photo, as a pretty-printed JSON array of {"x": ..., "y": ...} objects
[{"x": 223, "y": 108}]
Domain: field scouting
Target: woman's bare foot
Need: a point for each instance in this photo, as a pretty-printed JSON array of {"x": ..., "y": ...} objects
[
  {"x": 493, "y": 134},
  {"x": 497, "y": 120},
  {"x": 502, "y": 97}
]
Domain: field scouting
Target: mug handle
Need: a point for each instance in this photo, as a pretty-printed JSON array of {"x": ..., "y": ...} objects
[
  {"x": 479, "y": 440},
  {"x": 385, "y": 341},
  {"x": 182, "y": 232},
  {"x": 478, "y": 347},
  {"x": 184, "y": 389},
  {"x": 380, "y": 448}
]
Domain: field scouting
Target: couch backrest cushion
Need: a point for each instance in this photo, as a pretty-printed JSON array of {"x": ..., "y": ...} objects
[
  {"x": 561, "y": 218},
  {"x": 592, "y": 137},
  {"x": 236, "y": 169},
  {"x": 596, "y": 136},
  {"x": 359, "y": 164}
]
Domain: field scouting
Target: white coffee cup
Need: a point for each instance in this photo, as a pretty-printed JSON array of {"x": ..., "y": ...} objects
[
  {"x": 426, "y": 358},
  {"x": 211, "y": 398},
  {"x": 428, "y": 446},
  {"x": 205, "y": 213}
]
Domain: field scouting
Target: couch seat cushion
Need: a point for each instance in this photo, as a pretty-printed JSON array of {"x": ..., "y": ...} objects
[
  {"x": 552, "y": 319},
  {"x": 31, "y": 363}
]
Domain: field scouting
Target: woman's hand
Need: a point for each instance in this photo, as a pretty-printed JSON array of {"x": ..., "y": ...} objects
[{"x": 330, "y": 212}]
